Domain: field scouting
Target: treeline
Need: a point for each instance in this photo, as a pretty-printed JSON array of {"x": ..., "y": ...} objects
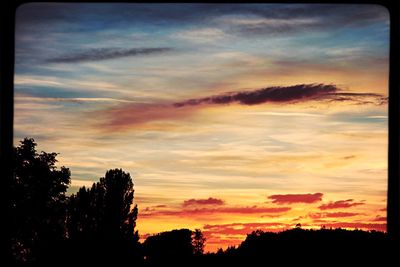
[{"x": 97, "y": 226}]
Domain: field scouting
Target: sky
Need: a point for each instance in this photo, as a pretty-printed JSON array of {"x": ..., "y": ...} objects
[{"x": 229, "y": 117}]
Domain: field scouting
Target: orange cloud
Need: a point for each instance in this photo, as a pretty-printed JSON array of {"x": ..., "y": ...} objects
[
  {"x": 380, "y": 219},
  {"x": 207, "y": 211},
  {"x": 224, "y": 235},
  {"x": 331, "y": 215},
  {"x": 340, "y": 204},
  {"x": 241, "y": 228},
  {"x": 296, "y": 198}
]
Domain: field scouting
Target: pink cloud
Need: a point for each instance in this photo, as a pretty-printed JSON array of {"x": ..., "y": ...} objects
[
  {"x": 296, "y": 198},
  {"x": 340, "y": 204},
  {"x": 125, "y": 116}
]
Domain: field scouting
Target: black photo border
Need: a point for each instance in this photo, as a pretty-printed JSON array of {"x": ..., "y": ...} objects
[{"x": 7, "y": 57}]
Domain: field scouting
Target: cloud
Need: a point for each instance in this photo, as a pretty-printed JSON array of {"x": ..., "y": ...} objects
[
  {"x": 126, "y": 115},
  {"x": 207, "y": 211},
  {"x": 99, "y": 54},
  {"x": 320, "y": 215},
  {"x": 296, "y": 19},
  {"x": 296, "y": 198},
  {"x": 232, "y": 234},
  {"x": 340, "y": 204},
  {"x": 287, "y": 94},
  {"x": 208, "y": 201},
  {"x": 239, "y": 228},
  {"x": 270, "y": 94},
  {"x": 72, "y": 99},
  {"x": 258, "y": 25},
  {"x": 202, "y": 35},
  {"x": 359, "y": 98},
  {"x": 327, "y": 16},
  {"x": 380, "y": 219}
]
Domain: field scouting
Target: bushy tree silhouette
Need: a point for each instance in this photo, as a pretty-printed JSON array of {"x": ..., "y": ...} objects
[
  {"x": 104, "y": 211},
  {"x": 101, "y": 220},
  {"x": 38, "y": 200},
  {"x": 169, "y": 248},
  {"x": 198, "y": 242}
]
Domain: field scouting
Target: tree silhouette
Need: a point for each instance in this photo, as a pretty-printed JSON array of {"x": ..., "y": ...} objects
[
  {"x": 101, "y": 222},
  {"x": 81, "y": 223},
  {"x": 104, "y": 211},
  {"x": 119, "y": 218},
  {"x": 38, "y": 201},
  {"x": 169, "y": 248},
  {"x": 96, "y": 226},
  {"x": 198, "y": 242}
]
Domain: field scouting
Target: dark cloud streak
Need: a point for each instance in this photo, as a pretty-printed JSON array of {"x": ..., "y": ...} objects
[
  {"x": 287, "y": 94},
  {"x": 269, "y": 94},
  {"x": 100, "y": 54}
]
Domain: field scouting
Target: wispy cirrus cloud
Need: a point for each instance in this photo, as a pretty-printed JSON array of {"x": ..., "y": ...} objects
[
  {"x": 340, "y": 204},
  {"x": 296, "y": 198},
  {"x": 99, "y": 54},
  {"x": 202, "y": 35}
]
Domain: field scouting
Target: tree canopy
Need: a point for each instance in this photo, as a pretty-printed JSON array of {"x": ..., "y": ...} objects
[
  {"x": 38, "y": 200},
  {"x": 104, "y": 211}
]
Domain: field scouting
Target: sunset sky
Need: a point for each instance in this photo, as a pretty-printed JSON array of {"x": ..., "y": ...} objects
[{"x": 229, "y": 117}]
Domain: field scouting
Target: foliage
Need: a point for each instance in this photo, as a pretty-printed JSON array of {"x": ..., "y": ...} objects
[
  {"x": 104, "y": 211},
  {"x": 198, "y": 242},
  {"x": 38, "y": 200}
]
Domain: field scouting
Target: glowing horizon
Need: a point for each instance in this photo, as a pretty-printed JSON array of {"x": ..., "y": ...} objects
[{"x": 229, "y": 118}]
